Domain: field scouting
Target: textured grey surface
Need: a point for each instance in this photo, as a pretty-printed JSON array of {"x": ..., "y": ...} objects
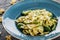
[{"x": 5, "y": 4}]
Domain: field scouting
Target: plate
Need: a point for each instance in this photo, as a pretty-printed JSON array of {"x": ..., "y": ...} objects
[{"x": 14, "y": 11}]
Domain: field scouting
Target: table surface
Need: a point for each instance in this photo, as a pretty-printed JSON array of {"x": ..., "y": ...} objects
[{"x": 5, "y": 4}]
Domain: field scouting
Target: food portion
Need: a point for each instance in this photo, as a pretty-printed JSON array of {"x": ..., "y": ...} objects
[
  {"x": 36, "y": 22},
  {"x": 8, "y": 37},
  {"x": 13, "y": 2},
  {"x": 0, "y": 19},
  {"x": 2, "y": 11}
]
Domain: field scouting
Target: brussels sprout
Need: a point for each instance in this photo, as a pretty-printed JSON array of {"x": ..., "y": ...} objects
[
  {"x": 47, "y": 29},
  {"x": 54, "y": 26},
  {"x": 26, "y": 12},
  {"x": 19, "y": 25}
]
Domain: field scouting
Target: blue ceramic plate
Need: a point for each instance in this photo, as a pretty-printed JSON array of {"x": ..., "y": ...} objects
[{"x": 14, "y": 11}]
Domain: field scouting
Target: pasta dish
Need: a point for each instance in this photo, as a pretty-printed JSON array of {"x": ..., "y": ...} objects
[{"x": 36, "y": 22}]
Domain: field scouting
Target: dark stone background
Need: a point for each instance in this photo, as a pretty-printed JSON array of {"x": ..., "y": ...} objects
[{"x": 5, "y": 4}]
